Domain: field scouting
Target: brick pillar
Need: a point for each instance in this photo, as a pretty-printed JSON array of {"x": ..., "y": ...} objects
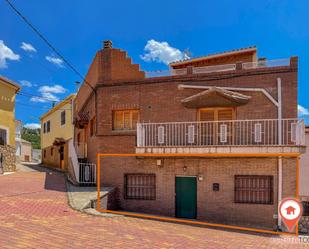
[{"x": 294, "y": 62}]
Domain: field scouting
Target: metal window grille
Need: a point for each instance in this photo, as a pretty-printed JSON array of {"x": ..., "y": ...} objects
[
  {"x": 258, "y": 132},
  {"x": 254, "y": 189},
  {"x": 223, "y": 133},
  {"x": 191, "y": 134},
  {"x": 3, "y": 137},
  {"x": 161, "y": 135},
  {"x": 140, "y": 186}
]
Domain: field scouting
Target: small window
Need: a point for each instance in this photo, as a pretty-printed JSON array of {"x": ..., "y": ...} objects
[
  {"x": 48, "y": 126},
  {"x": 254, "y": 189},
  {"x": 44, "y": 153},
  {"x": 140, "y": 186},
  {"x": 93, "y": 126},
  {"x": 63, "y": 118},
  {"x": 51, "y": 151},
  {"x": 3, "y": 137},
  {"x": 44, "y": 128},
  {"x": 125, "y": 120}
]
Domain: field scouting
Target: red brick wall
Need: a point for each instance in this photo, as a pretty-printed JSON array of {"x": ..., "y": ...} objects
[{"x": 212, "y": 206}]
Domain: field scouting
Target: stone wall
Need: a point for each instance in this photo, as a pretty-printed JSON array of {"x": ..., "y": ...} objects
[{"x": 8, "y": 158}]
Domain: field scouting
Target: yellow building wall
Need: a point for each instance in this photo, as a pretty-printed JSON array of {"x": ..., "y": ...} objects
[
  {"x": 56, "y": 129},
  {"x": 7, "y": 110}
]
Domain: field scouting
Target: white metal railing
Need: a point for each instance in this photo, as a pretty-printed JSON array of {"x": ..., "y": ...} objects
[
  {"x": 74, "y": 159},
  {"x": 87, "y": 173},
  {"x": 84, "y": 172},
  {"x": 259, "y": 132},
  {"x": 219, "y": 68},
  {"x": 266, "y": 63},
  {"x": 212, "y": 69}
]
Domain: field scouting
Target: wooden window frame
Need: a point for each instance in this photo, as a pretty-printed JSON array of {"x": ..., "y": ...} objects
[
  {"x": 140, "y": 190},
  {"x": 123, "y": 119},
  {"x": 269, "y": 191},
  {"x": 216, "y": 109}
]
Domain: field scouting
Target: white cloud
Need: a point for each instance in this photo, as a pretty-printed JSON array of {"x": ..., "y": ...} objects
[
  {"x": 162, "y": 52},
  {"x": 27, "y": 47},
  {"x": 6, "y": 54},
  {"x": 302, "y": 111},
  {"x": 32, "y": 126},
  {"x": 48, "y": 94},
  {"x": 55, "y": 60},
  {"x": 52, "y": 89},
  {"x": 25, "y": 83}
]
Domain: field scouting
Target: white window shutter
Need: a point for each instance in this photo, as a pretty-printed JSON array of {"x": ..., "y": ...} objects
[
  {"x": 191, "y": 134},
  {"x": 258, "y": 132},
  {"x": 161, "y": 135},
  {"x": 223, "y": 133}
]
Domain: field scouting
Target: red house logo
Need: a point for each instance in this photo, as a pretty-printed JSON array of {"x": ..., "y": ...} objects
[{"x": 290, "y": 210}]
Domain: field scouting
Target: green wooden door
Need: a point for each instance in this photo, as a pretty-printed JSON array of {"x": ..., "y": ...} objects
[{"x": 186, "y": 197}]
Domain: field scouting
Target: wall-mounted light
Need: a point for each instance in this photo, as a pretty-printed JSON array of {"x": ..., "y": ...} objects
[
  {"x": 200, "y": 178},
  {"x": 160, "y": 163},
  {"x": 184, "y": 168}
]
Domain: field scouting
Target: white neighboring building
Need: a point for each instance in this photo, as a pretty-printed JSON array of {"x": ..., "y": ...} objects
[
  {"x": 23, "y": 147},
  {"x": 304, "y": 168}
]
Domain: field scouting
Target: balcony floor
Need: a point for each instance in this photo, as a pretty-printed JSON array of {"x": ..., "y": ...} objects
[{"x": 222, "y": 149}]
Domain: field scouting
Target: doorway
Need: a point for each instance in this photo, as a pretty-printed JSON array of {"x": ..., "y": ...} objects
[{"x": 186, "y": 197}]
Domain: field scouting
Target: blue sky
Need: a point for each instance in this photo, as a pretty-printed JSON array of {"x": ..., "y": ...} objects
[{"x": 77, "y": 28}]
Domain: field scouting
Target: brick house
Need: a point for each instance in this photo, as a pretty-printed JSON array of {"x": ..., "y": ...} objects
[{"x": 230, "y": 102}]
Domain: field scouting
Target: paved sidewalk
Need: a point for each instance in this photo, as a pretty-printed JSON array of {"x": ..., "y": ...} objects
[{"x": 34, "y": 213}]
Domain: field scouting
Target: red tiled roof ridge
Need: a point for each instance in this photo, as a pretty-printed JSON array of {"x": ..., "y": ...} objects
[{"x": 213, "y": 54}]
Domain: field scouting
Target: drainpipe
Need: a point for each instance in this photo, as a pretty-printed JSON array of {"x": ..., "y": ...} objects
[
  {"x": 279, "y": 188},
  {"x": 280, "y": 143}
]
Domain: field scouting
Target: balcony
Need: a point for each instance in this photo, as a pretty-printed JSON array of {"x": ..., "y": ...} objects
[
  {"x": 220, "y": 68},
  {"x": 255, "y": 136}
]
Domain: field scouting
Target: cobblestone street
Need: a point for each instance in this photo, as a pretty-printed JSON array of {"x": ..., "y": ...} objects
[{"x": 34, "y": 214}]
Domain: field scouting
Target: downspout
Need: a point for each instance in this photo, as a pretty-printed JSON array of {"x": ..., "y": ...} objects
[{"x": 280, "y": 143}]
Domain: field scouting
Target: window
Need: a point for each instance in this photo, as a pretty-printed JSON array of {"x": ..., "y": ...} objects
[
  {"x": 44, "y": 153},
  {"x": 78, "y": 139},
  {"x": 216, "y": 114},
  {"x": 46, "y": 127},
  {"x": 93, "y": 126},
  {"x": 140, "y": 186},
  {"x": 3, "y": 137},
  {"x": 51, "y": 151},
  {"x": 125, "y": 120},
  {"x": 63, "y": 118},
  {"x": 254, "y": 189}
]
